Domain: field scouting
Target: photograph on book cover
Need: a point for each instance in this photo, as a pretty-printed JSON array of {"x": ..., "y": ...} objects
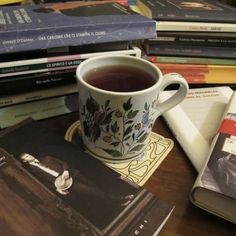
[
  {"x": 81, "y": 184},
  {"x": 194, "y": 5},
  {"x": 220, "y": 172}
]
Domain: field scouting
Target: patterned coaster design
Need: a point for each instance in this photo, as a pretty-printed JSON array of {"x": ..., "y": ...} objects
[{"x": 137, "y": 171}]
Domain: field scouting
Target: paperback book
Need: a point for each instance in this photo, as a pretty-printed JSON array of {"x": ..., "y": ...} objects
[
  {"x": 194, "y": 38},
  {"x": 61, "y": 61},
  {"x": 32, "y": 27},
  {"x": 202, "y": 74},
  {"x": 31, "y": 82},
  {"x": 215, "y": 187},
  {"x": 38, "y": 110},
  {"x": 191, "y": 60},
  {"x": 198, "y": 15},
  {"x": 75, "y": 193},
  {"x": 39, "y": 94},
  {"x": 65, "y": 50},
  {"x": 195, "y": 26},
  {"x": 191, "y": 50},
  {"x": 195, "y": 121},
  {"x": 196, "y": 11}
]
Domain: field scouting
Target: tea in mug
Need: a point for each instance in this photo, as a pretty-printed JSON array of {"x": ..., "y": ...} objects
[{"x": 120, "y": 78}]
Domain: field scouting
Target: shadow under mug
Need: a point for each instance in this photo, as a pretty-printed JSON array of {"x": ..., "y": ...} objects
[{"x": 117, "y": 105}]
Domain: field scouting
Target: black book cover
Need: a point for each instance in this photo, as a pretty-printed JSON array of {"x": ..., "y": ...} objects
[
  {"x": 196, "y": 10},
  {"x": 224, "y": 39},
  {"x": 30, "y": 82},
  {"x": 68, "y": 189}
]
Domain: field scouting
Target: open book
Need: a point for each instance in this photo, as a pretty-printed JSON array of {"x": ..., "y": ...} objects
[
  {"x": 215, "y": 187},
  {"x": 50, "y": 187},
  {"x": 195, "y": 120}
]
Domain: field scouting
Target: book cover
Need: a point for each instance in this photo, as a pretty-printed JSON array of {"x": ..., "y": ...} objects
[
  {"x": 194, "y": 122},
  {"x": 29, "y": 82},
  {"x": 62, "y": 61},
  {"x": 194, "y": 38},
  {"x": 201, "y": 74},
  {"x": 215, "y": 187},
  {"x": 197, "y": 10},
  {"x": 81, "y": 196},
  {"x": 190, "y": 50},
  {"x": 38, "y": 110},
  {"x": 191, "y": 60},
  {"x": 33, "y": 27},
  {"x": 39, "y": 94}
]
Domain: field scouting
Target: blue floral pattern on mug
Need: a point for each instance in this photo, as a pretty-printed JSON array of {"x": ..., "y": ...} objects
[{"x": 101, "y": 122}]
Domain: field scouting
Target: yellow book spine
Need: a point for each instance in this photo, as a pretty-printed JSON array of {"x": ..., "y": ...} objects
[
  {"x": 202, "y": 74},
  {"x": 5, "y": 2}
]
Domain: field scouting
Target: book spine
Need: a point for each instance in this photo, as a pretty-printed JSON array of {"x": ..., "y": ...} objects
[
  {"x": 202, "y": 74},
  {"x": 13, "y": 85},
  {"x": 195, "y": 26},
  {"x": 194, "y": 39},
  {"x": 193, "y": 51},
  {"x": 19, "y": 41},
  {"x": 38, "y": 109},
  {"x": 20, "y": 67},
  {"x": 191, "y": 60},
  {"x": 34, "y": 66},
  {"x": 36, "y": 95}
]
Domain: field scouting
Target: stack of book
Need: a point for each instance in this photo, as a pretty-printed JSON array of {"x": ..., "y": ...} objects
[
  {"x": 41, "y": 46},
  {"x": 195, "y": 38}
]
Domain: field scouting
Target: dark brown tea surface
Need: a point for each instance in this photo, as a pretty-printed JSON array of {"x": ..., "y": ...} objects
[{"x": 120, "y": 79}]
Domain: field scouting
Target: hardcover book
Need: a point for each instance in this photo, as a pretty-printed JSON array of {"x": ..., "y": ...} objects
[
  {"x": 197, "y": 10},
  {"x": 33, "y": 27},
  {"x": 47, "y": 178},
  {"x": 215, "y": 187},
  {"x": 195, "y": 121}
]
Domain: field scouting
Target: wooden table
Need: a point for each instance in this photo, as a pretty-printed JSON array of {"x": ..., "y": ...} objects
[{"x": 172, "y": 182}]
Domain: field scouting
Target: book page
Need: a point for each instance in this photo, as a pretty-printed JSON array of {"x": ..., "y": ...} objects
[
  {"x": 195, "y": 121},
  {"x": 206, "y": 115}
]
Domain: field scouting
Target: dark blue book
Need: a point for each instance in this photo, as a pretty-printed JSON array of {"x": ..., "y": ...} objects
[{"x": 43, "y": 26}]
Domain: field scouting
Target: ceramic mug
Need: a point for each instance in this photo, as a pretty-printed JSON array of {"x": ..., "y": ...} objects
[{"x": 118, "y": 104}]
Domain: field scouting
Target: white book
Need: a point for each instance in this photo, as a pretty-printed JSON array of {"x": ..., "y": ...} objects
[
  {"x": 38, "y": 110},
  {"x": 195, "y": 121},
  {"x": 39, "y": 94},
  {"x": 215, "y": 187},
  {"x": 195, "y": 26}
]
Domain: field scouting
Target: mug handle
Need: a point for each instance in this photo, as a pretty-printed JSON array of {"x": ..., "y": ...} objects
[{"x": 177, "y": 97}]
